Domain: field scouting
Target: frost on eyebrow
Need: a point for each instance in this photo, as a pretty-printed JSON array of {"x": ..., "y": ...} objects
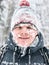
[
  {"x": 21, "y": 23},
  {"x": 25, "y": 23}
]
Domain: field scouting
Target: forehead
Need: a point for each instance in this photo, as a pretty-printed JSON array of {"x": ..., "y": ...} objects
[{"x": 25, "y": 25}]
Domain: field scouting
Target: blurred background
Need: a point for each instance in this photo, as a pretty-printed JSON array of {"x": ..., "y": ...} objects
[{"x": 41, "y": 7}]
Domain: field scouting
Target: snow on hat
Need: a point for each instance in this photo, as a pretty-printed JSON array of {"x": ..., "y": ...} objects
[{"x": 25, "y": 13}]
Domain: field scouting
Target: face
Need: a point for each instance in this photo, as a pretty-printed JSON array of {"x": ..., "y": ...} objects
[{"x": 24, "y": 34}]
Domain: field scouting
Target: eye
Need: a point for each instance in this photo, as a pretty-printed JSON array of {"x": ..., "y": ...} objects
[
  {"x": 17, "y": 27},
  {"x": 20, "y": 27},
  {"x": 29, "y": 27}
]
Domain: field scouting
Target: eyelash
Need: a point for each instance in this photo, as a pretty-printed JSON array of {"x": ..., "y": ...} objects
[{"x": 29, "y": 28}]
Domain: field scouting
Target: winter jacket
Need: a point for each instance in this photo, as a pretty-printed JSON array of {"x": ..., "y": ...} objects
[{"x": 11, "y": 54}]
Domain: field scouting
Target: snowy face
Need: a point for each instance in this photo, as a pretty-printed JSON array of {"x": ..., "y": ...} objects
[{"x": 24, "y": 34}]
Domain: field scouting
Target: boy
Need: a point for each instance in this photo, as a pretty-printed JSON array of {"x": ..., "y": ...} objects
[{"x": 25, "y": 43}]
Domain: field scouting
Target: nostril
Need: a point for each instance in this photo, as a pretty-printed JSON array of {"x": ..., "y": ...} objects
[{"x": 24, "y": 34}]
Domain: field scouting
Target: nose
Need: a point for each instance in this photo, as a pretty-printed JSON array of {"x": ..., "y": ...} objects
[{"x": 24, "y": 35}]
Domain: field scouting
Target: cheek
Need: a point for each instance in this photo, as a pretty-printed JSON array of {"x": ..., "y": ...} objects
[
  {"x": 33, "y": 33},
  {"x": 15, "y": 33}
]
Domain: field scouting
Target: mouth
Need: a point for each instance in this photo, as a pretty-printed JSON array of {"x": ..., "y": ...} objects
[{"x": 24, "y": 37}]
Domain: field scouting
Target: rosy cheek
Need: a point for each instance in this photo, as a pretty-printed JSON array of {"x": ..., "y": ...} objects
[
  {"x": 33, "y": 33},
  {"x": 15, "y": 31}
]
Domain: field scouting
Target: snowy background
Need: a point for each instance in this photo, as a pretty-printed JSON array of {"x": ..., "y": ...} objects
[{"x": 41, "y": 7}]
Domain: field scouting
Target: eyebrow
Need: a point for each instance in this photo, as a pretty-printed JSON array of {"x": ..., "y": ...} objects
[{"x": 22, "y": 23}]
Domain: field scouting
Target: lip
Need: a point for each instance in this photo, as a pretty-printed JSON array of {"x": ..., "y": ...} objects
[{"x": 24, "y": 37}]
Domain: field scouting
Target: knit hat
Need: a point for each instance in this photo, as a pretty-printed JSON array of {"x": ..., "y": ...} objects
[{"x": 25, "y": 14}]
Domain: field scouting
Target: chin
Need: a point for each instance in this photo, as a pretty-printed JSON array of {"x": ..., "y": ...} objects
[{"x": 23, "y": 45}]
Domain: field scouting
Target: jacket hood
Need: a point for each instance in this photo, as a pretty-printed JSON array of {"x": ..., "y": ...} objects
[{"x": 12, "y": 45}]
